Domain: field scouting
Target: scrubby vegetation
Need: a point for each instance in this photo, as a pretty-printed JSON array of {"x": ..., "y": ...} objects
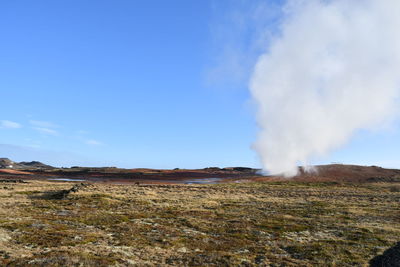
[{"x": 248, "y": 224}]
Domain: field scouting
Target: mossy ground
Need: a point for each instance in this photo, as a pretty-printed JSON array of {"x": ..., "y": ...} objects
[{"x": 260, "y": 224}]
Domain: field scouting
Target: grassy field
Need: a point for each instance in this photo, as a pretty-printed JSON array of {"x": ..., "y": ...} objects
[{"x": 249, "y": 224}]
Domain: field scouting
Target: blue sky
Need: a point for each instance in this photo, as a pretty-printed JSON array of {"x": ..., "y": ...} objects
[{"x": 152, "y": 83}]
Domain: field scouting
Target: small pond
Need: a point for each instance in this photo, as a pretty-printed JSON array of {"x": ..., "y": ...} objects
[
  {"x": 66, "y": 180},
  {"x": 204, "y": 181}
]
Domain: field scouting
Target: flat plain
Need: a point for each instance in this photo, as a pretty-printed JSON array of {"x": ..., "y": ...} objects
[{"x": 282, "y": 223}]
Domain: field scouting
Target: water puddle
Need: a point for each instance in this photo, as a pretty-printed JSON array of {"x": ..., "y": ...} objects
[
  {"x": 204, "y": 181},
  {"x": 66, "y": 180},
  {"x": 166, "y": 181}
]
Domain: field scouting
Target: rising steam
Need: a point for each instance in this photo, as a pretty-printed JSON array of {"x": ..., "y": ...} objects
[{"x": 333, "y": 69}]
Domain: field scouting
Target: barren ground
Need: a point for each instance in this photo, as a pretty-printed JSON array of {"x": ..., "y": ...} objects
[{"x": 247, "y": 224}]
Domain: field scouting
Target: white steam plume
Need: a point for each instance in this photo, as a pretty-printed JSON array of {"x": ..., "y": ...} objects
[{"x": 334, "y": 69}]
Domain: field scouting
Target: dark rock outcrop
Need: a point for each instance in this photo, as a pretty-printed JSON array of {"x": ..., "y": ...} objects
[
  {"x": 63, "y": 194},
  {"x": 389, "y": 258}
]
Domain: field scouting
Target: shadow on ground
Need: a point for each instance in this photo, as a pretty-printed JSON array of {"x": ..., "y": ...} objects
[{"x": 60, "y": 194}]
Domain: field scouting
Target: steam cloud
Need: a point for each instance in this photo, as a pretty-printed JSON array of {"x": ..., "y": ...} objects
[{"x": 333, "y": 69}]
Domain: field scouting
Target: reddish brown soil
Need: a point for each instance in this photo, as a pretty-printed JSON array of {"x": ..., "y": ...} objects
[
  {"x": 342, "y": 173},
  {"x": 326, "y": 173},
  {"x": 149, "y": 176},
  {"x": 351, "y": 173},
  {"x": 10, "y": 171}
]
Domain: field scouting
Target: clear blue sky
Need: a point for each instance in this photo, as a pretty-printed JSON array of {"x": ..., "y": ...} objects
[{"x": 136, "y": 84}]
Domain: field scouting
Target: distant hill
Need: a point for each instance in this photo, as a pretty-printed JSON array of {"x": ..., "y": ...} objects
[
  {"x": 35, "y": 164},
  {"x": 6, "y": 163},
  {"x": 349, "y": 173},
  {"x": 322, "y": 173}
]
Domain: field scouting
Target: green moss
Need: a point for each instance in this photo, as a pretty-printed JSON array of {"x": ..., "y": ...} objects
[
  {"x": 102, "y": 219},
  {"x": 65, "y": 258},
  {"x": 287, "y": 223},
  {"x": 279, "y": 225}
]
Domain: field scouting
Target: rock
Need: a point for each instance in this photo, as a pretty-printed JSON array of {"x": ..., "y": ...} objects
[
  {"x": 259, "y": 259},
  {"x": 4, "y": 237},
  {"x": 131, "y": 262},
  {"x": 183, "y": 250},
  {"x": 63, "y": 194},
  {"x": 389, "y": 258},
  {"x": 63, "y": 213}
]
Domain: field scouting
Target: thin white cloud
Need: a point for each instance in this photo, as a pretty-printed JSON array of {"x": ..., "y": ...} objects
[
  {"x": 9, "y": 124},
  {"x": 43, "y": 124},
  {"x": 44, "y": 127},
  {"x": 46, "y": 130},
  {"x": 93, "y": 142}
]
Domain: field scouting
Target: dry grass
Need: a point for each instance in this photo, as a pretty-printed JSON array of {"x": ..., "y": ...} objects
[{"x": 264, "y": 224}]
